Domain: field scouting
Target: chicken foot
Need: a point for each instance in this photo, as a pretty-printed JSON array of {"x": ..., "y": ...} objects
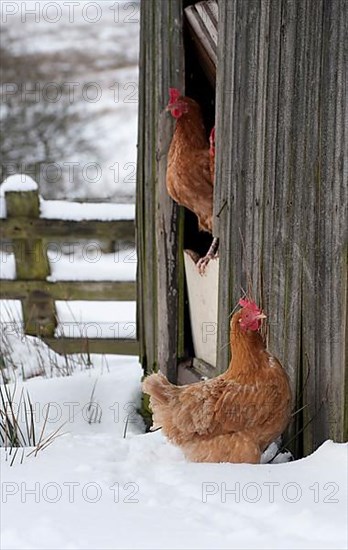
[{"x": 210, "y": 255}]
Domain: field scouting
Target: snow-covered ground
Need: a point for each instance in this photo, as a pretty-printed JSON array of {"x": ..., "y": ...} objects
[
  {"x": 86, "y": 211},
  {"x": 96, "y": 320},
  {"x": 104, "y": 485}
]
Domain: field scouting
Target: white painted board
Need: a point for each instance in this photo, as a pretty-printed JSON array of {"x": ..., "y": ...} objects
[{"x": 203, "y": 303}]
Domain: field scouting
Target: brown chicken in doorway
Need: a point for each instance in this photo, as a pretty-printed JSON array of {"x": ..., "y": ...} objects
[{"x": 190, "y": 169}]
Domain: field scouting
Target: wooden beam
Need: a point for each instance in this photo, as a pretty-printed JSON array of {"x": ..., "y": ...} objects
[
  {"x": 70, "y": 290},
  {"x": 21, "y": 227},
  {"x": 203, "y": 25},
  {"x": 160, "y": 263},
  {"x": 169, "y": 217},
  {"x": 98, "y": 345},
  {"x": 39, "y": 313}
]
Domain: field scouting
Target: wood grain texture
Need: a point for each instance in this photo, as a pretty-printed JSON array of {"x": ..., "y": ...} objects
[
  {"x": 70, "y": 290},
  {"x": 281, "y": 191},
  {"x": 118, "y": 346},
  {"x": 160, "y": 270},
  {"x": 20, "y": 227},
  {"x": 202, "y": 21},
  {"x": 39, "y": 313}
]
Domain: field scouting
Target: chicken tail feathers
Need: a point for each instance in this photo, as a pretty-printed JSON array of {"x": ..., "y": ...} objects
[
  {"x": 162, "y": 401},
  {"x": 158, "y": 388}
]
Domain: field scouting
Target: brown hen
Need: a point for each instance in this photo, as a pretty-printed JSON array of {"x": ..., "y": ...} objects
[
  {"x": 235, "y": 416},
  {"x": 190, "y": 168}
]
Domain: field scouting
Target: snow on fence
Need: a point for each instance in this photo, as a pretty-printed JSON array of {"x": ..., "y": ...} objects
[{"x": 32, "y": 225}]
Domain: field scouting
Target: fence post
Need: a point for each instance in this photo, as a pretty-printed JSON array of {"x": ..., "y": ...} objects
[{"x": 32, "y": 263}]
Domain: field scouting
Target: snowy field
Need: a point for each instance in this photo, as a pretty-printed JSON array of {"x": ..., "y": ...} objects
[{"x": 106, "y": 484}]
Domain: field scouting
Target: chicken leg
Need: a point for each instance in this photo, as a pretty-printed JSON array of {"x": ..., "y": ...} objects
[{"x": 210, "y": 255}]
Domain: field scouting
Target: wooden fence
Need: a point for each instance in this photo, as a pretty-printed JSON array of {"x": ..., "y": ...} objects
[{"x": 30, "y": 235}]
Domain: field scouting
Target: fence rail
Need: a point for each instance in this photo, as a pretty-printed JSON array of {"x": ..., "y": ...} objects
[
  {"x": 20, "y": 227},
  {"x": 70, "y": 290},
  {"x": 118, "y": 346},
  {"x": 30, "y": 236}
]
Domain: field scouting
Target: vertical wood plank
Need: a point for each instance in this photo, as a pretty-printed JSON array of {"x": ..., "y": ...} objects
[
  {"x": 145, "y": 236},
  {"x": 39, "y": 314},
  {"x": 224, "y": 172},
  {"x": 281, "y": 196},
  {"x": 332, "y": 222},
  {"x": 169, "y": 260},
  {"x": 160, "y": 274},
  {"x": 139, "y": 206},
  {"x": 30, "y": 255}
]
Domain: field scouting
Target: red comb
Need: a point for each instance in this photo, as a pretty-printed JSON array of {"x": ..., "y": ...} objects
[
  {"x": 174, "y": 95},
  {"x": 248, "y": 304}
]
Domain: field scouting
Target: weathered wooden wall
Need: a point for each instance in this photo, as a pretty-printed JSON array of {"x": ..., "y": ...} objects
[
  {"x": 160, "y": 270},
  {"x": 281, "y": 191}
]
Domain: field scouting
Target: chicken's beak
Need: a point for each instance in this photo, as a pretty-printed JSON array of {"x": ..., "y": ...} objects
[
  {"x": 261, "y": 316},
  {"x": 174, "y": 105}
]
